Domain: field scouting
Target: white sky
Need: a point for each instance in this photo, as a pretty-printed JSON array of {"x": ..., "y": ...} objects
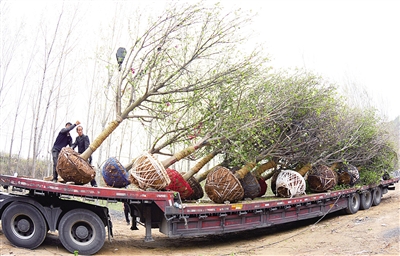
[
  {"x": 345, "y": 41},
  {"x": 356, "y": 41}
]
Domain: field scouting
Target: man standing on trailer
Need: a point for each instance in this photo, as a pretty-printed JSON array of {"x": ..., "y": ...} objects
[
  {"x": 63, "y": 139},
  {"x": 82, "y": 142}
]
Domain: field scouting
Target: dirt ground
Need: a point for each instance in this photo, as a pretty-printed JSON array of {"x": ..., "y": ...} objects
[{"x": 375, "y": 231}]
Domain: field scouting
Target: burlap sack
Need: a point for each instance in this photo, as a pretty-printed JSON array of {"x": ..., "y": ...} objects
[
  {"x": 222, "y": 186},
  {"x": 73, "y": 168},
  {"x": 114, "y": 174}
]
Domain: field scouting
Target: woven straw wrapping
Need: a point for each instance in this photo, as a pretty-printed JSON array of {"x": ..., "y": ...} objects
[
  {"x": 250, "y": 186},
  {"x": 114, "y": 174},
  {"x": 148, "y": 172},
  {"x": 290, "y": 183},
  {"x": 73, "y": 168},
  {"x": 221, "y": 186},
  {"x": 178, "y": 184},
  {"x": 197, "y": 189},
  {"x": 321, "y": 178}
]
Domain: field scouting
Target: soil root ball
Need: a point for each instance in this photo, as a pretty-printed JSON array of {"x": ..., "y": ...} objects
[
  {"x": 222, "y": 185},
  {"x": 114, "y": 174},
  {"x": 148, "y": 172},
  {"x": 73, "y": 168}
]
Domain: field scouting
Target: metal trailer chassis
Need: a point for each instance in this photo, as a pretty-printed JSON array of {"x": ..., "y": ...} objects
[{"x": 45, "y": 206}]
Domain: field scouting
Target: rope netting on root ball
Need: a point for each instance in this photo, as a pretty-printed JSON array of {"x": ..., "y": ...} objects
[
  {"x": 178, "y": 184},
  {"x": 114, "y": 174},
  {"x": 73, "y": 168},
  {"x": 222, "y": 186},
  {"x": 290, "y": 183},
  {"x": 148, "y": 172},
  {"x": 321, "y": 178},
  {"x": 347, "y": 174}
]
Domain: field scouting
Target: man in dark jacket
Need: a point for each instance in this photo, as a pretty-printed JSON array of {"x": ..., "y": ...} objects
[
  {"x": 63, "y": 139},
  {"x": 82, "y": 142}
]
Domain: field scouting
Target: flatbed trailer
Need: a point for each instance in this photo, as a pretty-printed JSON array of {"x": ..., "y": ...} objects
[{"x": 30, "y": 208}]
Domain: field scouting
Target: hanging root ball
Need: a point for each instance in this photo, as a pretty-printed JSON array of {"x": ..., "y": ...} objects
[
  {"x": 114, "y": 174},
  {"x": 347, "y": 174},
  {"x": 73, "y": 168},
  {"x": 263, "y": 186},
  {"x": 250, "y": 186},
  {"x": 321, "y": 178},
  {"x": 196, "y": 187},
  {"x": 149, "y": 172},
  {"x": 221, "y": 186},
  {"x": 178, "y": 184},
  {"x": 290, "y": 183}
]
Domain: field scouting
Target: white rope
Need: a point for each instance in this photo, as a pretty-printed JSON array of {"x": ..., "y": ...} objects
[{"x": 292, "y": 181}]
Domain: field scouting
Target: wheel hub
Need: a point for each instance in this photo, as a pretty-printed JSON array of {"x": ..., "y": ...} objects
[
  {"x": 82, "y": 232},
  {"x": 23, "y": 225}
]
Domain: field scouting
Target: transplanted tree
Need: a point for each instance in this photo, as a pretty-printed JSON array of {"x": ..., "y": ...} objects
[{"x": 186, "y": 53}]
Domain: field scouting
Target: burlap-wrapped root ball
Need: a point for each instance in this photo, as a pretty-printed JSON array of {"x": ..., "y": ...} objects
[
  {"x": 148, "y": 172},
  {"x": 321, "y": 178},
  {"x": 250, "y": 186},
  {"x": 196, "y": 187},
  {"x": 114, "y": 174},
  {"x": 222, "y": 185},
  {"x": 289, "y": 184},
  {"x": 347, "y": 174},
  {"x": 178, "y": 184},
  {"x": 73, "y": 168}
]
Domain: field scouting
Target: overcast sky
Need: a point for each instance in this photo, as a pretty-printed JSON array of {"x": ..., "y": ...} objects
[
  {"x": 346, "y": 41},
  {"x": 355, "y": 41}
]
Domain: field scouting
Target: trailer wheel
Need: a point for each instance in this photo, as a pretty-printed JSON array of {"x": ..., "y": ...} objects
[
  {"x": 376, "y": 196},
  {"x": 83, "y": 231},
  {"x": 24, "y": 225},
  {"x": 365, "y": 200},
  {"x": 353, "y": 203}
]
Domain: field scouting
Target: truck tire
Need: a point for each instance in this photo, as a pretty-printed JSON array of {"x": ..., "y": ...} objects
[
  {"x": 353, "y": 203},
  {"x": 83, "y": 231},
  {"x": 376, "y": 196},
  {"x": 24, "y": 225},
  {"x": 365, "y": 200}
]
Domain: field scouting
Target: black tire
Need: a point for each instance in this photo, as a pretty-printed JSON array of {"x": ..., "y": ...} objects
[
  {"x": 353, "y": 203},
  {"x": 83, "y": 231},
  {"x": 24, "y": 225},
  {"x": 376, "y": 196},
  {"x": 365, "y": 200}
]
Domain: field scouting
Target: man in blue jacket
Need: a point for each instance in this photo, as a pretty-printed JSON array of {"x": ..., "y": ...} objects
[{"x": 63, "y": 139}]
